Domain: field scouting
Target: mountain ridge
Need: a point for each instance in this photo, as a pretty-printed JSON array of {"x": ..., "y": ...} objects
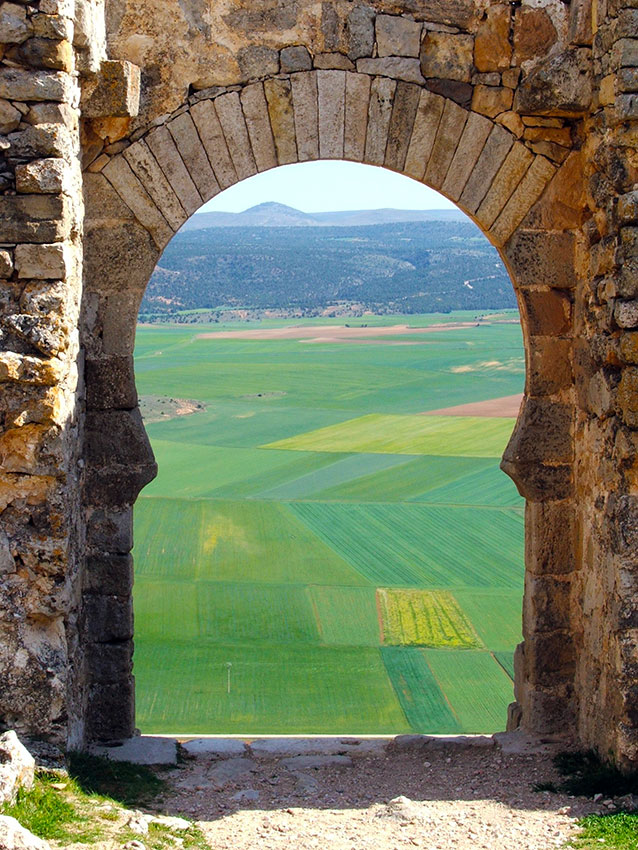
[{"x": 275, "y": 214}]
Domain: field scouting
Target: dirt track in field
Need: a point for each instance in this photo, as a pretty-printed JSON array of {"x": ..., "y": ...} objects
[
  {"x": 507, "y": 406},
  {"x": 334, "y": 333}
]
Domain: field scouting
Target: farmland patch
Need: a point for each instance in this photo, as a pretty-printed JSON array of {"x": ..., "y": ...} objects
[
  {"x": 461, "y": 436},
  {"x": 422, "y": 700},
  {"x": 418, "y": 617},
  {"x": 477, "y": 687},
  {"x": 418, "y": 545}
]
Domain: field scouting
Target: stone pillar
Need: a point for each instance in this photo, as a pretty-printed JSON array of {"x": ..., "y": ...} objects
[
  {"x": 607, "y": 381},
  {"x": 41, "y": 213}
]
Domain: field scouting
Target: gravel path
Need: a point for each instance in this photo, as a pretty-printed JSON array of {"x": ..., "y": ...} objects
[{"x": 375, "y": 794}]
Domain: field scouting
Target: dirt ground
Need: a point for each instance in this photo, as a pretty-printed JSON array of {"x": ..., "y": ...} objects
[
  {"x": 353, "y": 794},
  {"x": 507, "y": 405}
]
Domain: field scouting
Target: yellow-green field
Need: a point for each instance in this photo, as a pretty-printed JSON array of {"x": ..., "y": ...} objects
[{"x": 357, "y": 562}]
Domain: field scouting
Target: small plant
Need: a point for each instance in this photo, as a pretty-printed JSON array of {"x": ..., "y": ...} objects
[
  {"x": 615, "y": 832},
  {"x": 48, "y": 813}
]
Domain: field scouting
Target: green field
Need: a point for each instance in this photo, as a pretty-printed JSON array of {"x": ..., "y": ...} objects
[{"x": 357, "y": 562}]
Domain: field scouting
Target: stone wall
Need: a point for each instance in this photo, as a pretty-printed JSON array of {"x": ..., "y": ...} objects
[{"x": 522, "y": 113}]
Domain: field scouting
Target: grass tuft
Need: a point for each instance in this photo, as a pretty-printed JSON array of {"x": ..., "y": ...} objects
[
  {"x": 616, "y": 832},
  {"x": 47, "y": 813}
]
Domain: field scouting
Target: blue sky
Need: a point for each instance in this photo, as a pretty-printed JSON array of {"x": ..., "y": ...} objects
[{"x": 327, "y": 186}]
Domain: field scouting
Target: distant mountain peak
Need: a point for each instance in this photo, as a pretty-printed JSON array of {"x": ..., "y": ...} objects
[{"x": 272, "y": 206}]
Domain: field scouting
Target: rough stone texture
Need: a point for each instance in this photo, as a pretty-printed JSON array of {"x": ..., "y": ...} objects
[
  {"x": 13, "y": 836},
  {"x": 526, "y": 115},
  {"x": 17, "y": 767}
]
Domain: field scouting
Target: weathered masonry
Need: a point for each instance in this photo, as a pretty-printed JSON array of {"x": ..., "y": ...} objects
[{"x": 119, "y": 119}]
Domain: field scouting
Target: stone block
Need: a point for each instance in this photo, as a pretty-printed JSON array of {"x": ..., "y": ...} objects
[
  {"x": 110, "y": 531},
  {"x": 492, "y": 157},
  {"x": 109, "y": 663},
  {"x": 549, "y": 368},
  {"x": 624, "y": 53},
  {"x": 534, "y": 34},
  {"x": 110, "y": 384},
  {"x": 56, "y": 27},
  {"x": 626, "y": 107},
  {"x": 426, "y": 124},
  {"x": 492, "y": 100},
  {"x": 42, "y": 140},
  {"x": 333, "y": 62},
  {"x": 360, "y": 31},
  {"x": 111, "y": 711},
  {"x": 48, "y": 53},
  {"x": 543, "y": 433},
  {"x": 116, "y": 437},
  {"x": 492, "y": 48},
  {"x": 404, "y": 109},
  {"x": 10, "y": 117},
  {"x": 147, "y": 170},
  {"x": 258, "y": 61},
  {"x": 627, "y": 80},
  {"x": 581, "y": 24},
  {"x": 470, "y": 147},
  {"x": 120, "y": 175},
  {"x": 304, "y": 96},
  {"x": 541, "y": 257},
  {"x": 626, "y": 314},
  {"x": 233, "y": 124},
  {"x": 145, "y": 749},
  {"x": 379, "y": 114},
  {"x": 164, "y": 149},
  {"x": 507, "y": 178},
  {"x": 23, "y": 85},
  {"x": 294, "y": 59},
  {"x": 194, "y": 157},
  {"x": 34, "y": 218},
  {"x": 455, "y": 90},
  {"x": 108, "y": 618},
  {"x": 356, "y": 118},
  {"x": 550, "y": 657},
  {"x": 282, "y": 119},
  {"x": 210, "y": 132},
  {"x": 548, "y": 312},
  {"x": 253, "y": 101},
  {"x": 627, "y": 396},
  {"x": 6, "y": 265},
  {"x": 447, "y": 138},
  {"x": 117, "y": 91},
  {"x": 397, "y": 36},
  {"x": 49, "y": 176},
  {"x": 550, "y": 538},
  {"x": 397, "y": 67},
  {"x": 43, "y": 262},
  {"x": 109, "y": 575},
  {"x": 448, "y": 56},
  {"x": 546, "y": 604},
  {"x": 560, "y": 86},
  {"x": 15, "y": 27},
  {"x": 331, "y": 97}
]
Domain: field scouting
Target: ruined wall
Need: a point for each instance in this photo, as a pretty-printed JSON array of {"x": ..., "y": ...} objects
[{"x": 519, "y": 112}]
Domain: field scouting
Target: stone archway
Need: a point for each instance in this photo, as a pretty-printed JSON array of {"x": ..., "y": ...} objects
[
  {"x": 523, "y": 113},
  {"x": 155, "y": 183}
]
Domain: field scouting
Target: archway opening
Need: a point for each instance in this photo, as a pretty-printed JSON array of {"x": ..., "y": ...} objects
[{"x": 330, "y": 546}]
